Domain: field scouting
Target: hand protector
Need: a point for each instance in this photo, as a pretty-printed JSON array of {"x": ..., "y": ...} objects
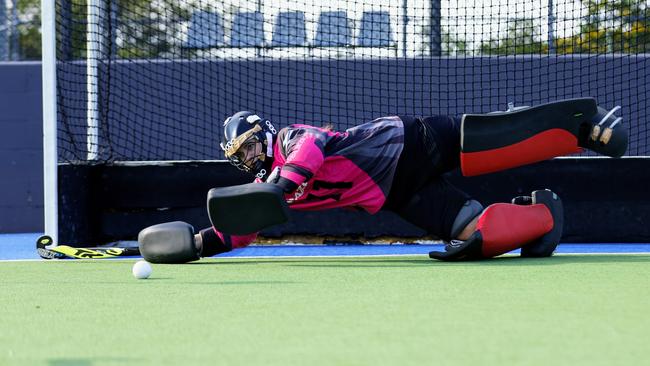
[
  {"x": 247, "y": 208},
  {"x": 171, "y": 242}
]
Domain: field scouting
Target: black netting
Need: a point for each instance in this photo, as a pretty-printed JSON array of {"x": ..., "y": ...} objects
[{"x": 165, "y": 74}]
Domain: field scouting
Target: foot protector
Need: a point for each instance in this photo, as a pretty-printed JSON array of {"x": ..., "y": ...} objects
[
  {"x": 606, "y": 134},
  {"x": 456, "y": 250}
]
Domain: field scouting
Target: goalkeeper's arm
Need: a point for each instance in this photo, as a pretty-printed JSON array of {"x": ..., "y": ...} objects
[
  {"x": 176, "y": 242},
  {"x": 213, "y": 242}
]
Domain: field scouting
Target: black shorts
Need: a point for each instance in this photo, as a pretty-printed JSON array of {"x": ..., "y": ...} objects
[{"x": 419, "y": 193}]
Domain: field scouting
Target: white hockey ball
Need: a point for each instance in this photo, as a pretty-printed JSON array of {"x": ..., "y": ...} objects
[{"x": 141, "y": 270}]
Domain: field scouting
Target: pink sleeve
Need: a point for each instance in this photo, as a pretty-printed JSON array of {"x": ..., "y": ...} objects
[
  {"x": 237, "y": 241},
  {"x": 305, "y": 158},
  {"x": 240, "y": 241}
]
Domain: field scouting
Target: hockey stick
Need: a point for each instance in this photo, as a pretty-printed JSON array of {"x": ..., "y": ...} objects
[{"x": 68, "y": 252}]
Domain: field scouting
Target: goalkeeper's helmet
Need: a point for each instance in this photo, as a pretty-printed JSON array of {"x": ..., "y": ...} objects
[{"x": 249, "y": 142}]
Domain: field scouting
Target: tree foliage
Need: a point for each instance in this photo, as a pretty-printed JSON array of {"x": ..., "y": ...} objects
[
  {"x": 621, "y": 26},
  {"x": 610, "y": 26},
  {"x": 28, "y": 30},
  {"x": 523, "y": 37},
  {"x": 149, "y": 28}
]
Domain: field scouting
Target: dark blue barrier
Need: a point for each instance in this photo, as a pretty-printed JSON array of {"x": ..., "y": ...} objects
[
  {"x": 21, "y": 152},
  {"x": 606, "y": 200}
]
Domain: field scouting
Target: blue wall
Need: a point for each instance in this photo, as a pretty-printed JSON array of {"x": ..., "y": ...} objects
[{"x": 21, "y": 162}]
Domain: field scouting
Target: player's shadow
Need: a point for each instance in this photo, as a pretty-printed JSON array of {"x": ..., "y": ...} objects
[
  {"x": 220, "y": 283},
  {"x": 89, "y": 361},
  {"x": 313, "y": 262},
  {"x": 237, "y": 283}
]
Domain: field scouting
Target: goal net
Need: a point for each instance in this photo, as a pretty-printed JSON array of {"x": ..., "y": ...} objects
[{"x": 153, "y": 80}]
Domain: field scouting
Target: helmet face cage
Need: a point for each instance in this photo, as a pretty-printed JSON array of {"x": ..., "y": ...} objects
[
  {"x": 253, "y": 163},
  {"x": 237, "y": 149}
]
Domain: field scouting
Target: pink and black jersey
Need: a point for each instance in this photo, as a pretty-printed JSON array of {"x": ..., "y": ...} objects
[
  {"x": 394, "y": 163},
  {"x": 354, "y": 168}
]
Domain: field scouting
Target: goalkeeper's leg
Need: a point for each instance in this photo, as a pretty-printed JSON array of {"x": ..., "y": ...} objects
[
  {"x": 474, "y": 232},
  {"x": 485, "y": 143},
  {"x": 502, "y": 140},
  {"x": 502, "y": 227}
]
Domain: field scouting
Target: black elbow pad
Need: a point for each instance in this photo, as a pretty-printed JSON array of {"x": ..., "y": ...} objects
[{"x": 287, "y": 185}]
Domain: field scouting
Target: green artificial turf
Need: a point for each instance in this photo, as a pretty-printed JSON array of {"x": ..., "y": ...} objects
[{"x": 564, "y": 310}]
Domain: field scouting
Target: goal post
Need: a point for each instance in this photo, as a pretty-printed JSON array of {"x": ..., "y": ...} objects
[
  {"x": 96, "y": 10},
  {"x": 50, "y": 150},
  {"x": 95, "y": 51}
]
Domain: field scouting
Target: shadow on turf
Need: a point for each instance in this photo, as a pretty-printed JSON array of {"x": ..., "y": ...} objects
[
  {"x": 238, "y": 283},
  {"x": 392, "y": 262},
  {"x": 171, "y": 281},
  {"x": 87, "y": 361},
  {"x": 219, "y": 283}
]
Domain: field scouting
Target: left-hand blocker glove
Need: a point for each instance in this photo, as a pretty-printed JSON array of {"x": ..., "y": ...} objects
[{"x": 247, "y": 208}]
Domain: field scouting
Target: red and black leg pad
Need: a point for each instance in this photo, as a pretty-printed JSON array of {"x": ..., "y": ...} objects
[
  {"x": 501, "y": 228},
  {"x": 544, "y": 246},
  {"x": 503, "y": 140},
  {"x": 247, "y": 208}
]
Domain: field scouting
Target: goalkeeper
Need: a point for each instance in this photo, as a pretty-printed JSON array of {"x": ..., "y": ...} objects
[{"x": 397, "y": 163}]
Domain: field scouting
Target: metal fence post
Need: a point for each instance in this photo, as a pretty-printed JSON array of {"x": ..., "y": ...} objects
[
  {"x": 436, "y": 28},
  {"x": 4, "y": 32},
  {"x": 14, "y": 46},
  {"x": 551, "y": 28}
]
